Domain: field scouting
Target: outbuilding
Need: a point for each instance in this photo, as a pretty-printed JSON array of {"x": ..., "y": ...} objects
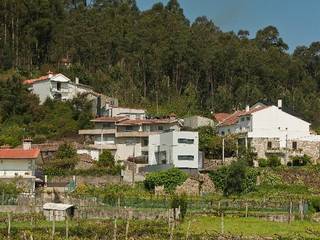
[{"x": 58, "y": 211}]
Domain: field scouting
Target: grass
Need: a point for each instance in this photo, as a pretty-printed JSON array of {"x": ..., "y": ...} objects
[{"x": 250, "y": 227}]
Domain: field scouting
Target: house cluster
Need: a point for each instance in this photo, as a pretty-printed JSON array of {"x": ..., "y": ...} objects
[{"x": 159, "y": 143}]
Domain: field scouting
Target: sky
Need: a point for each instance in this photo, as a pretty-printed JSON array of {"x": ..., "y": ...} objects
[{"x": 298, "y": 21}]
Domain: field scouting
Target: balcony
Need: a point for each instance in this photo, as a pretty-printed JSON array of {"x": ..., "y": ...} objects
[
  {"x": 61, "y": 90},
  {"x": 96, "y": 131},
  {"x": 134, "y": 134}
]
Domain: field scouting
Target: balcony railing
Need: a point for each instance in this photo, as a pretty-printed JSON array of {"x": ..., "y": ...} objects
[{"x": 96, "y": 131}]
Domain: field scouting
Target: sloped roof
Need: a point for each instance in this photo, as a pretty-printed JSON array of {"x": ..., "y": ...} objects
[
  {"x": 57, "y": 206},
  {"x": 219, "y": 117},
  {"x": 39, "y": 79},
  {"x": 19, "y": 153},
  {"x": 233, "y": 118}
]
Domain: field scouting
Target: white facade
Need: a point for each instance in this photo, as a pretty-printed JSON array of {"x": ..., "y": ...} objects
[
  {"x": 268, "y": 122},
  {"x": 56, "y": 87},
  {"x": 177, "y": 148},
  {"x": 16, "y": 167}
]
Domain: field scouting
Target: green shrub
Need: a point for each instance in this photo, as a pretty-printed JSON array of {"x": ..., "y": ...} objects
[
  {"x": 315, "y": 204},
  {"x": 106, "y": 159},
  {"x": 301, "y": 160},
  {"x": 219, "y": 177},
  {"x": 263, "y": 162},
  {"x": 235, "y": 179},
  {"x": 274, "y": 161},
  {"x": 170, "y": 179}
]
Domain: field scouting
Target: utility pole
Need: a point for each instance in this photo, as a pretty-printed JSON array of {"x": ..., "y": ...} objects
[{"x": 223, "y": 151}]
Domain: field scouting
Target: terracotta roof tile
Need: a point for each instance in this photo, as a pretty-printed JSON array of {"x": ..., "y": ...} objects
[
  {"x": 31, "y": 81},
  {"x": 19, "y": 153},
  {"x": 234, "y": 117},
  {"x": 219, "y": 117}
]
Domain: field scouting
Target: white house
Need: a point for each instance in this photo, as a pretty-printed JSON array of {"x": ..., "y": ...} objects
[
  {"x": 268, "y": 129},
  {"x": 60, "y": 87},
  {"x": 176, "y": 148}
]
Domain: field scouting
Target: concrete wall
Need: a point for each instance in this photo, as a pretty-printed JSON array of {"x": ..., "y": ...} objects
[{"x": 197, "y": 121}]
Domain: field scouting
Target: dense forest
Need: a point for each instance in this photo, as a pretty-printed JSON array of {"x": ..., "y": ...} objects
[{"x": 156, "y": 58}]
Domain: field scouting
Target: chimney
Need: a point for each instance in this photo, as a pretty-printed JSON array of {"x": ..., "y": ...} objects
[
  {"x": 280, "y": 103},
  {"x": 77, "y": 80},
  {"x": 50, "y": 74},
  {"x": 26, "y": 144},
  {"x": 247, "y": 108}
]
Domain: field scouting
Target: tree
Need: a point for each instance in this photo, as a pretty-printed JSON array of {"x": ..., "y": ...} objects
[{"x": 106, "y": 159}]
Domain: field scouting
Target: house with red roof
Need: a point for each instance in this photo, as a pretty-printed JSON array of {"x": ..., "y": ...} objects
[
  {"x": 20, "y": 164},
  {"x": 270, "y": 130}
]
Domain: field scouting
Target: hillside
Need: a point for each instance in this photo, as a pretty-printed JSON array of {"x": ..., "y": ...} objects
[{"x": 157, "y": 58}]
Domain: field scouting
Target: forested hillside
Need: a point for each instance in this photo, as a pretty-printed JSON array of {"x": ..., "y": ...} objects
[{"x": 157, "y": 58}]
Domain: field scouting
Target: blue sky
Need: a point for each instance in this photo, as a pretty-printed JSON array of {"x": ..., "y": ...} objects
[{"x": 298, "y": 21}]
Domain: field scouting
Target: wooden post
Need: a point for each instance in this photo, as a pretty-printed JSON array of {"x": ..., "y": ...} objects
[
  {"x": 290, "y": 212},
  {"x": 222, "y": 223},
  {"x": 301, "y": 208},
  {"x": 168, "y": 220},
  {"x": 172, "y": 230},
  {"x": 115, "y": 229},
  {"x": 246, "y": 209},
  {"x": 67, "y": 226},
  {"x": 188, "y": 229},
  {"x": 53, "y": 224},
  {"x": 127, "y": 226},
  {"x": 9, "y": 225}
]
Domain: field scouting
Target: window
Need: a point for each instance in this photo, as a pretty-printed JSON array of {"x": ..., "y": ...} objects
[
  {"x": 160, "y": 128},
  {"x": 185, "y": 140},
  {"x": 294, "y": 145},
  {"x": 144, "y": 153},
  {"x": 145, "y": 142},
  {"x": 229, "y": 130},
  {"x": 222, "y": 133},
  {"x": 242, "y": 119},
  {"x": 58, "y": 86},
  {"x": 107, "y": 125},
  {"x": 161, "y": 157},
  {"x": 186, "y": 157},
  {"x": 248, "y": 118},
  {"x": 269, "y": 146}
]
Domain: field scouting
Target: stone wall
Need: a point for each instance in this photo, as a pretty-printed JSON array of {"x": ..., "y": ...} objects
[
  {"x": 310, "y": 148},
  {"x": 199, "y": 185}
]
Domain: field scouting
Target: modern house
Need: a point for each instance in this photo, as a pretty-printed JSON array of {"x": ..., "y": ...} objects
[
  {"x": 270, "y": 130},
  {"x": 20, "y": 164},
  {"x": 60, "y": 87},
  {"x": 125, "y": 137},
  {"x": 174, "y": 149}
]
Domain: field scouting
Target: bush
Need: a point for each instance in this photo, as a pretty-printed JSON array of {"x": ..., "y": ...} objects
[
  {"x": 106, "y": 159},
  {"x": 170, "y": 179},
  {"x": 301, "y": 160},
  {"x": 263, "y": 162},
  {"x": 315, "y": 204},
  {"x": 235, "y": 179},
  {"x": 274, "y": 161}
]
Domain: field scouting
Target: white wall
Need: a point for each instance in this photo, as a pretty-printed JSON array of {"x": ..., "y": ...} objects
[
  {"x": 129, "y": 112},
  {"x": 128, "y": 147},
  {"x": 12, "y": 167},
  {"x": 42, "y": 89},
  {"x": 168, "y": 142},
  {"x": 275, "y": 123}
]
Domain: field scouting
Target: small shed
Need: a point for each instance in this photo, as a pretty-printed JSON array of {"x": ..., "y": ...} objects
[{"x": 58, "y": 211}]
